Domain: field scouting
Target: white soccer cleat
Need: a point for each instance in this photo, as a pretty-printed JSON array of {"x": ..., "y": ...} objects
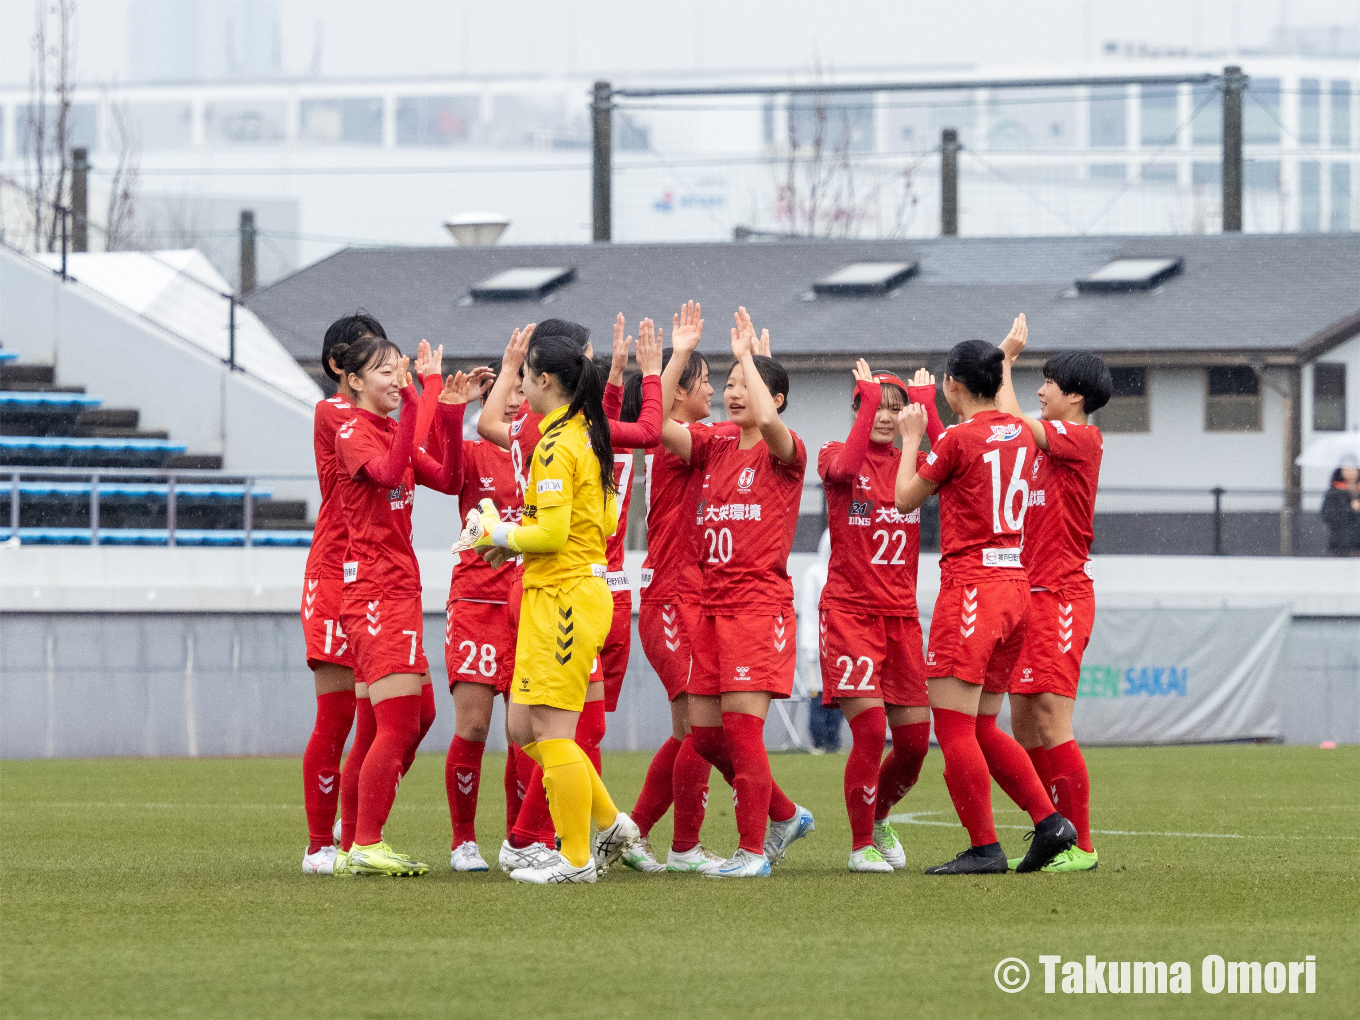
[
  {"x": 466, "y": 857},
  {"x": 869, "y": 859},
  {"x": 885, "y": 839},
  {"x": 320, "y": 863},
  {"x": 639, "y": 856},
  {"x": 557, "y": 871},
  {"x": 742, "y": 864},
  {"x": 535, "y": 855},
  {"x": 779, "y": 836},
  {"x": 698, "y": 859},
  {"x": 610, "y": 843}
]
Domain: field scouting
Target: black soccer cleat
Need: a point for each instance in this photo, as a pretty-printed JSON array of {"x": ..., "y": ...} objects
[
  {"x": 976, "y": 860},
  {"x": 1050, "y": 837}
]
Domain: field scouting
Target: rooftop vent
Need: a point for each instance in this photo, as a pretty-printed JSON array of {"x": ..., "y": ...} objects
[
  {"x": 473, "y": 229},
  {"x": 861, "y": 278},
  {"x": 526, "y": 284},
  {"x": 1129, "y": 274}
]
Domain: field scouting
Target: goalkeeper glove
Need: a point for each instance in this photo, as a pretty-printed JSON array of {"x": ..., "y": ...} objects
[{"x": 485, "y": 529}]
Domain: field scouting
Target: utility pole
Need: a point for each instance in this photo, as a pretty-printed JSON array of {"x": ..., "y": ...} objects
[
  {"x": 1234, "y": 81},
  {"x": 949, "y": 183},
  {"x": 601, "y": 181},
  {"x": 80, "y": 202},
  {"x": 247, "y": 252}
]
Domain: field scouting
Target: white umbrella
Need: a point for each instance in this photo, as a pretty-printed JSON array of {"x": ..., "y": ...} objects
[{"x": 1327, "y": 451}]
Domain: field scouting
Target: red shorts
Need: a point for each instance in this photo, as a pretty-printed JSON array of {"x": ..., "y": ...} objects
[
  {"x": 745, "y": 653},
  {"x": 479, "y": 646},
  {"x": 872, "y": 657},
  {"x": 1055, "y": 640},
  {"x": 665, "y": 632},
  {"x": 386, "y": 635},
  {"x": 977, "y": 631},
  {"x": 618, "y": 644},
  {"x": 325, "y": 637}
]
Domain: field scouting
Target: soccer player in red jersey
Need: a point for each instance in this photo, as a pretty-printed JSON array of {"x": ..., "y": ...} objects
[
  {"x": 380, "y": 607},
  {"x": 329, "y": 653},
  {"x": 748, "y": 508},
  {"x": 870, "y": 638},
  {"x": 980, "y": 468},
  {"x": 479, "y": 643},
  {"x": 532, "y": 833},
  {"x": 668, "y": 616},
  {"x": 1059, "y": 527}
]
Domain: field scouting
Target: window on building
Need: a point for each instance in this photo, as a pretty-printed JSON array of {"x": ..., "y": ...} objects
[
  {"x": 436, "y": 120},
  {"x": 1159, "y": 173},
  {"x": 1207, "y": 175},
  {"x": 1207, "y": 127},
  {"x": 1108, "y": 172},
  {"x": 1341, "y": 114},
  {"x": 1340, "y": 220},
  {"x": 1329, "y": 397},
  {"x": 1108, "y": 117},
  {"x": 1261, "y": 112},
  {"x": 246, "y": 123},
  {"x": 341, "y": 121},
  {"x": 1262, "y": 174},
  {"x": 162, "y": 125},
  {"x": 1233, "y": 399},
  {"x": 1310, "y": 196},
  {"x": 1310, "y": 111},
  {"x": 80, "y": 127},
  {"x": 838, "y": 125},
  {"x": 1157, "y": 114},
  {"x": 1129, "y": 409}
]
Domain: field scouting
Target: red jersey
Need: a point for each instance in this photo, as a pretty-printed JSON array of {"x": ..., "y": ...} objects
[
  {"x": 1059, "y": 525},
  {"x": 981, "y": 467},
  {"x": 874, "y": 547},
  {"x": 381, "y": 562},
  {"x": 748, "y": 509},
  {"x": 671, "y": 572},
  {"x": 487, "y": 474},
  {"x": 329, "y": 538},
  {"x": 623, "y": 478}
]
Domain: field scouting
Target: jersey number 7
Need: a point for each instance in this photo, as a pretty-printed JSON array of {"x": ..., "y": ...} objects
[{"x": 1015, "y": 519}]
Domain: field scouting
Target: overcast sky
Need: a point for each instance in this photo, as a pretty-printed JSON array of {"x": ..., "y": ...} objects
[{"x": 623, "y": 40}]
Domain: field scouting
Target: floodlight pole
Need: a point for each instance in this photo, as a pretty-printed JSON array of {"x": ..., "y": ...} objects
[
  {"x": 601, "y": 178},
  {"x": 949, "y": 183},
  {"x": 1234, "y": 81},
  {"x": 247, "y": 231},
  {"x": 80, "y": 168}
]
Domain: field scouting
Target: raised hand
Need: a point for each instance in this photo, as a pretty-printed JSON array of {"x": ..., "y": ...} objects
[
  {"x": 746, "y": 328},
  {"x": 1015, "y": 339},
  {"x": 687, "y": 328},
  {"x": 429, "y": 362},
  {"x": 619, "y": 356},
  {"x": 741, "y": 343},
  {"x": 762, "y": 346},
  {"x": 861, "y": 372},
  {"x": 922, "y": 378},
  {"x": 403, "y": 378},
  {"x": 517, "y": 348},
  {"x": 911, "y": 423},
  {"x": 649, "y": 348}
]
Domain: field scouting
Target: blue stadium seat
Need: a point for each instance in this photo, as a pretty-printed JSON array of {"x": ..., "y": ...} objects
[
  {"x": 8, "y": 356},
  {"x": 112, "y": 489},
  {"x": 39, "y": 401},
  {"x": 59, "y": 451},
  {"x": 158, "y": 536}
]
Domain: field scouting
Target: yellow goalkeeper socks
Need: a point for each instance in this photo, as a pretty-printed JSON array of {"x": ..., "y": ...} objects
[
  {"x": 602, "y": 809},
  {"x": 567, "y": 781},
  {"x": 531, "y": 749}
]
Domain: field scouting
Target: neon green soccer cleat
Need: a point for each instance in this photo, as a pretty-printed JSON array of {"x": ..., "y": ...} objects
[
  {"x": 342, "y": 864},
  {"x": 1011, "y": 862},
  {"x": 1073, "y": 859},
  {"x": 381, "y": 859}
]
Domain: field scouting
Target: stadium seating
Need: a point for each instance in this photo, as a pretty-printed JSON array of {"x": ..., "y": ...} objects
[{"x": 50, "y": 428}]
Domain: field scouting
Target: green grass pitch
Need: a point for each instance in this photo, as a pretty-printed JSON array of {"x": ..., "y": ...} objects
[{"x": 171, "y": 888}]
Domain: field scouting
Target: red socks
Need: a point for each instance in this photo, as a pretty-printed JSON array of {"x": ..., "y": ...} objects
[
  {"x": 870, "y": 730},
  {"x": 1012, "y": 768},
  {"x": 398, "y": 732},
  {"x": 462, "y": 777},
  {"x": 1072, "y": 789},
  {"x": 321, "y": 765},
  {"x": 1038, "y": 757},
  {"x": 365, "y": 727},
  {"x": 590, "y": 731},
  {"x": 751, "y": 779},
  {"x": 658, "y": 788},
  {"x": 902, "y": 767},
  {"x": 514, "y": 789},
  {"x": 534, "y": 824},
  {"x": 426, "y": 721},
  {"x": 713, "y": 743},
  {"x": 965, "y": 773},
  {"x": 689, "y": 783}
]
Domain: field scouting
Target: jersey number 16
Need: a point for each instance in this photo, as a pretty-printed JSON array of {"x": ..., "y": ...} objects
[{"x": 1018, "y": 489}]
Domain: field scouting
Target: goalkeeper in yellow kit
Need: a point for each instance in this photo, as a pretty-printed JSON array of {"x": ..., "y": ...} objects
[{"x": 570, "y": 508}]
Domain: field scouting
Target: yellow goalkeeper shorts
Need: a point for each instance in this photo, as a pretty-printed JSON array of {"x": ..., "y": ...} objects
[{"x": 561, "y": 630}]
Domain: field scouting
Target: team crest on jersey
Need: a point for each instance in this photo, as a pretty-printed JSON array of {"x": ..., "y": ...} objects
[
  {"x": 514, "y": 426},
  {"x": 1034, "y": 471},
  {"x": 1004, "y": 433},
  {"x": 744, "y": 480},
  {"x": 859, "y": 512}
]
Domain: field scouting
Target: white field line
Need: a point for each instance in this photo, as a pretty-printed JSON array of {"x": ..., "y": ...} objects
[{"x": 919, "y": 818}]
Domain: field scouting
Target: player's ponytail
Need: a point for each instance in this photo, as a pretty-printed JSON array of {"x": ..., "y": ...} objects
[
  {"x": 976, "y": 364},
  {"x": 564, "y": 358}
]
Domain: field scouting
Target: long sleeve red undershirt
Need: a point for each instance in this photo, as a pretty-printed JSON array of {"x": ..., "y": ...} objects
[
  {"x": 847, "y": 463},
  {"x": 445, "y": 476}
]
